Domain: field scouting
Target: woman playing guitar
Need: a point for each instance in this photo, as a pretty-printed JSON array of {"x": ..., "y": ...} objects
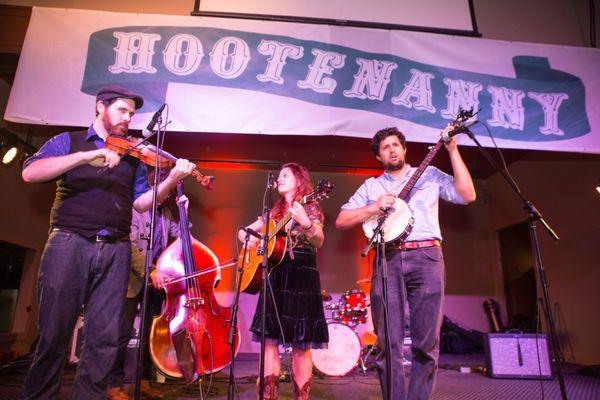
[{"x": 294, "y": 312}]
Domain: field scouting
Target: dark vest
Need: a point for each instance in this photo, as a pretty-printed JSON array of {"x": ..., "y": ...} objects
[{"x": 90, "y": 199}]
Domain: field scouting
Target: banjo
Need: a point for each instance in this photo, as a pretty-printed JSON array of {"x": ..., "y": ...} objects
[{"x": 400, "y": 221}]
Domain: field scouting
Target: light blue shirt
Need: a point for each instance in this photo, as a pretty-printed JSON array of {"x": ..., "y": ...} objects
[{"x": 423, "y": 199}]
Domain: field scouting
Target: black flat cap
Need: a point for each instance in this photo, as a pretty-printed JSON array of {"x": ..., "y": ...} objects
[{"x": 107, "y": 93}]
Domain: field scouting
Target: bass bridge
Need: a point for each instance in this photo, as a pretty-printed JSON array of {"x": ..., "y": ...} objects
[{"x": 194, "y": 303}]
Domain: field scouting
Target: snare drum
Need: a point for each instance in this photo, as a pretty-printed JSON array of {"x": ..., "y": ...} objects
[
  {"x": 343, "y": 353},
  {"x": 352, "y": 308}
]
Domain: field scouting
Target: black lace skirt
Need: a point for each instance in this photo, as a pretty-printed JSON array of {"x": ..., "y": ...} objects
[{"x": 296, "y": 317}]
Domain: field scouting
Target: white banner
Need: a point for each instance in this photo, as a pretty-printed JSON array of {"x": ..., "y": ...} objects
[{"x": 238, "y": 76}]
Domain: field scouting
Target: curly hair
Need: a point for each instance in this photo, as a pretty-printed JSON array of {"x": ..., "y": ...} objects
[
  {"x": 305, "y": 186},
  {"x": 383, "y": 134}
]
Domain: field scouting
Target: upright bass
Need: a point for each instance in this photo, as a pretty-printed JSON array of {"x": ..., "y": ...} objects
[{"x": 189, "y": 338}]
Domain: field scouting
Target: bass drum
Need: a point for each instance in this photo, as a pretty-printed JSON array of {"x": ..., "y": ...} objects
[{"x": 343, "y": 353}]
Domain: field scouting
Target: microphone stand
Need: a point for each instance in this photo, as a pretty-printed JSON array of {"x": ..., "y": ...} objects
[
  {"x": 533, "y": 217},
  {"x": 147, "y": 265},
  {"x": 232, "y": 327},
  {"x": 265, "y": 266},
  {"x": 381, "y": 267}
]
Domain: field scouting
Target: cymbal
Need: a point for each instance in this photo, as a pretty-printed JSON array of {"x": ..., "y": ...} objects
[{"x": 365, "y": 280}]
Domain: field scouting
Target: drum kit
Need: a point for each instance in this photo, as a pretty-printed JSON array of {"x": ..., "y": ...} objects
[{"x": 345, "y": 350}]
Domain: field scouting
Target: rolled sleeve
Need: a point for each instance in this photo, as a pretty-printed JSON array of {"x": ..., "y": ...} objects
[
  {"x": 446, "y": 184},
  {"x": 359, "y": 199},
  {"x": 57, "y": 146}
]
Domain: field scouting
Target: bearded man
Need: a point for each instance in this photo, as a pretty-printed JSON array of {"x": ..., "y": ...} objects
[
  {"x": 86, "y": 261},
  {"x": 416, "y": 272}
]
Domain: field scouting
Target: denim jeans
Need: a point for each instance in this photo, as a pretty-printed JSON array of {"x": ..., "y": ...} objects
[
  {"x": 75, "y": 273},
  {"x": 417, "y": 277},
  {"x": 116, "y": 376}
]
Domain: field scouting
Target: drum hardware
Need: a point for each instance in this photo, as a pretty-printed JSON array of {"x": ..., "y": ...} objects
[
  {"x": 285, "y": 360},
  {"x": 352, "y": 308},
  {"x": 365, "y": 360}
]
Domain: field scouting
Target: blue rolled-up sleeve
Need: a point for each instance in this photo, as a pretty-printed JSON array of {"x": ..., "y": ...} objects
[{"x": 58, "y": 146}]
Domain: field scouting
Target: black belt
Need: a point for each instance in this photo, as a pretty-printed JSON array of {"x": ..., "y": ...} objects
[{"x": 96, "y": 238}]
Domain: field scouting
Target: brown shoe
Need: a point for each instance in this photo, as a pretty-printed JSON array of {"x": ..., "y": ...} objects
[
  {"x": 150, "y": 392},
  {"x": 117, "y": 393}
]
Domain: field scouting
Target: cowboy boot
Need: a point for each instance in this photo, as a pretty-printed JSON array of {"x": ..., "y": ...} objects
[
  {"x": 117, "y": 393},
  {"x": 302, "y": 394},
  {"x": 271, "y": 390}
]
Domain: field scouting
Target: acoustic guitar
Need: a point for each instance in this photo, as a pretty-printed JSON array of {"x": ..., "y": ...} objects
[{"x": 277, "y": 243}]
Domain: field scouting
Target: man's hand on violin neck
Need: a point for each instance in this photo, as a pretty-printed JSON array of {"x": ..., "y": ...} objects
[
  {"x": 101, "y": 158},
  {"x": 183, "y": 168}
]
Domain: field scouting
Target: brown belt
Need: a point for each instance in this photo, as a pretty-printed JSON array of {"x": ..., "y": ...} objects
[{"x": 414, "y": 245}]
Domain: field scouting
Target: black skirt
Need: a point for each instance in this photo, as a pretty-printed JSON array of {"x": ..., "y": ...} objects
[{"x": 296, "y": 289}]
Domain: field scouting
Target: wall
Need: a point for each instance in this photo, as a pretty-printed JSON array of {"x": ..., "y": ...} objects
[
  {"x": 564, "y": 192},
  {"x": 541, "y": 21},
  {"x": 236, "y": 201}
]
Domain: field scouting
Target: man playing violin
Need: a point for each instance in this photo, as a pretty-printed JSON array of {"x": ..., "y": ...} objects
[
  {"x": 415, "y": 266},
  {"x": 86, "y": 259}
]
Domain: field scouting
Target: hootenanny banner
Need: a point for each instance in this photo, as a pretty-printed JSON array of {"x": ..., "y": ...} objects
[{"x": 242, "y": 76}]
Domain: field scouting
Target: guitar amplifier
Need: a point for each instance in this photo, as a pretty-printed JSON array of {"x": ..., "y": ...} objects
[{"x": 517, "y": 355}]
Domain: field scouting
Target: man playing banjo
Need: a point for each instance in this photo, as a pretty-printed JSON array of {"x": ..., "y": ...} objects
[{"x": 414, "y": 254}]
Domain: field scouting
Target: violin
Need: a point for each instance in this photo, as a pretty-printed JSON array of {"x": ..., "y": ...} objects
[
  {"x": 190, "y": 337},
  {"x": 149, "y": 154}
]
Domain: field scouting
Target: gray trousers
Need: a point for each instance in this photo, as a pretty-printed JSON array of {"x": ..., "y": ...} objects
[
  {"x": 417, "y": 277},
  {"x": 75, "y": 273}
]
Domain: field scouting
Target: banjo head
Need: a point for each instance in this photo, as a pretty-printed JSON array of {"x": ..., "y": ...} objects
[{"x": 397, "y": 225}]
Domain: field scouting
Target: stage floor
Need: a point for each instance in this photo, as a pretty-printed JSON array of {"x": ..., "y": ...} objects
[{"x": 451, "y": 384}]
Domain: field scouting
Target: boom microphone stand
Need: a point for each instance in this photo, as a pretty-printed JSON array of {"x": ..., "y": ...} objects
[
  {"x": 533, "y": 217},
  {"x": 148, "y": 263},
  {"x": 265, "y": 265},
  {"x": 381, "y": 268}
]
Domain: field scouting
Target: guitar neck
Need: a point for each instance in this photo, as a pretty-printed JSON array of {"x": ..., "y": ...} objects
[
  {"x": 280, "y": 225},
  {"x": 417, "y": 174}
]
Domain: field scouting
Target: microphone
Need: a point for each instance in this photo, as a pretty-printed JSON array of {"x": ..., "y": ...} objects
[
  {"x": 251, "y": 232},
  {"x": 271, "y": 181},
  {"x": 459, "y": 129},
  {"x": 149, "y": 130}
]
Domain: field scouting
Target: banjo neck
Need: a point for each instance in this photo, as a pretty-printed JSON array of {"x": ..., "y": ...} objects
[{"x": 417, "y": 174}]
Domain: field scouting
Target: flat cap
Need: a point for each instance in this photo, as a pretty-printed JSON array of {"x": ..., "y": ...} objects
[{"x": 107, "y": 93}]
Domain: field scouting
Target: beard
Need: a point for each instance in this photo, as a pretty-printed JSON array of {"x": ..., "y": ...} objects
[
  {"x": 398, "y": 165},
  {"x": 112, "y": 129}
]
